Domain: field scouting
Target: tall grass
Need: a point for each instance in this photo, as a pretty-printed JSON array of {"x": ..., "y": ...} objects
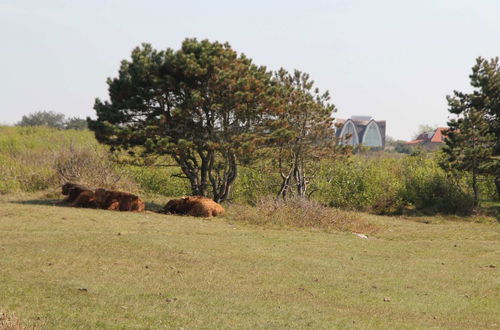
[{"x": 38, "y": 158}]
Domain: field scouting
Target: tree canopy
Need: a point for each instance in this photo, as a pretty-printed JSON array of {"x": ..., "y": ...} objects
[
  {"x": 473, "y": 141},
  {"x": 52, "y": 119},
  {"x": 43, "y": 118},
  {"x": 302, "y": 131},
  {"x": 202, "y": 104}
]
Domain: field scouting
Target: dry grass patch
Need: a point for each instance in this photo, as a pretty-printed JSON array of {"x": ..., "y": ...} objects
[
  {"x": 301, "y": 213},
  {"x": 10, "y": 322}
]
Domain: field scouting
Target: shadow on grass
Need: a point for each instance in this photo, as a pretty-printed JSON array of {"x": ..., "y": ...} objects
[
  {"x": 154, "y": 206},
  {"x": 47, "y": 202},
  {"x": 150, "y": 205}
]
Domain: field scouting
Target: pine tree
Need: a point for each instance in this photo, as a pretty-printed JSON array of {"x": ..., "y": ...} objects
[
  {"x": 473, "y": 139},
  {"x": 302, "y": 132},
  {"x": 201, "y": 105},
  {"x": 469, "y": 146}
]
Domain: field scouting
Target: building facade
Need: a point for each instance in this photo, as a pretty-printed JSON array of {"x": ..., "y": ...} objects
[{"x": 361, "y": 130}]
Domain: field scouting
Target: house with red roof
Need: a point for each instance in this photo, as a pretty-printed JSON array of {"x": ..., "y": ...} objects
[{"x": 430, "y": 140}]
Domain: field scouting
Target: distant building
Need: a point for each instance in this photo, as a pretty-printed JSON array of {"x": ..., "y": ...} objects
[
  {"x": 361, "y": 130},
  {"x": 430, "y": 140}
]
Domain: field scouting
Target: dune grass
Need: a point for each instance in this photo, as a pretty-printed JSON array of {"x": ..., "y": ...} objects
[{"x": 64, "y": 268}]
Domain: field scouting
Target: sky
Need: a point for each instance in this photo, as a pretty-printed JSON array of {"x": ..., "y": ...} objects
[{"x": 394, "y": 60}]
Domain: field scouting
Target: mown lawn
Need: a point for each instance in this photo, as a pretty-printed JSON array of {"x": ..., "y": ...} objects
[{"x": 64, "y": 268}]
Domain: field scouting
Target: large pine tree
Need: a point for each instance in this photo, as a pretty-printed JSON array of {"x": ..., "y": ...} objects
[{"x": 201, "y": 105}]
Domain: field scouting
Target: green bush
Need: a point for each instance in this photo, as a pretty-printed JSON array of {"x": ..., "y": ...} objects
[
  {"x": 392, "y": 185},
  {"x": 361, "y": 184},
  {"x": 430, "y": 190},
  {"x": 254, "y": 183},
  {"x": 159, "y": 180}
]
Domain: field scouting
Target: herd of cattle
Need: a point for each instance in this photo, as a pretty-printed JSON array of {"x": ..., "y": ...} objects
[{"x": 80, "y": 196}]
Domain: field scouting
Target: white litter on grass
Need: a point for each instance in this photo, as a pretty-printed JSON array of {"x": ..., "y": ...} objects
[{"x": 360, "y": 235}]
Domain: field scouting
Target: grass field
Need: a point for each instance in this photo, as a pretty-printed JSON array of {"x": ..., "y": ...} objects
[{"x": 64, "y": 268}]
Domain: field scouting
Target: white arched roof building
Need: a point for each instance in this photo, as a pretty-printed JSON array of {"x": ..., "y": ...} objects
[{"x": 362, "y": 130}]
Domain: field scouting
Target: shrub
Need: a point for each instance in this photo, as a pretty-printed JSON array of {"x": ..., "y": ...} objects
[
  {"x": 392, "y": 185},
  {"x": 90, "y": 166},
  {"x": 361, "y": 184},
  {"x": 38, "y": 158},
  {"x": 253, "y": 183},
  {"x": 299, "y": 213},
  {"x": 159, "y": 180},
  {"x": 430, "y": 190}
]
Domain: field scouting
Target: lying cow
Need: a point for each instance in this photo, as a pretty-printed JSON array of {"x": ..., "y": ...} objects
[
  {"x": 86, "y": 199},
  {"x": 72, "y": 191},
  {"x": 118, "y": 200},
  {"x": 196, "y": 206}
]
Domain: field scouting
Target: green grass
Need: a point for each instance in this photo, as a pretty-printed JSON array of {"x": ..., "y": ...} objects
[{"x": 147, "y": 270}]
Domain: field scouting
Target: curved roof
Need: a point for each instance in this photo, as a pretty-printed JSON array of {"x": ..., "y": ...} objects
[
  {"x": 372, "y": 125},
  {"x": 345, "y": 128}
]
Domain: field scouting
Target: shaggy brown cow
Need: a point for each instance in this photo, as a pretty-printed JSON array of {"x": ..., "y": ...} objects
[
  {"x": 118, "y": 200},
  {"x": 196, "y": 206},
  {"x": 85, "y": 199},
  {"x": 72, "y": 191}
]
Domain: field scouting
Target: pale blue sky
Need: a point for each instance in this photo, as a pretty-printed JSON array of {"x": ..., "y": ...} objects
[{"x": 393, "y": 60}]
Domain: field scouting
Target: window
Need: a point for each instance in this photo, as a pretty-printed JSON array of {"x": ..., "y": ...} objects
[
  {"x": 350, "y": 129},
  {"x": 372, "y": 137}
]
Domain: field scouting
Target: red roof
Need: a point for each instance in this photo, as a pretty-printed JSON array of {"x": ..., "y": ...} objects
[
  {"x": 438, "y": 137},
  {"x": 439, "y": 134}
]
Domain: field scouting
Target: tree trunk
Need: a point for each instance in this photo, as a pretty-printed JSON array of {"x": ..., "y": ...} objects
[
  {"x": 497, "y": 184},
  {"x": 222, "y": 183},
  {"x": 475, "y": 188},
  {"x": 285, "y": 186}
]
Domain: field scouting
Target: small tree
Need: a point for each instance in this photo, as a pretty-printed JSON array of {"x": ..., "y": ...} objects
[
  {"x": 424, "y": 128},
  {"x": 43, "y": 118},
  {"x": 472, "y": 142},
  {"x": 75, "y": 123},
  {"x": 202, "y": 105},
  {"x": 302, "y": 132},
  {"x": 469, "y": 146}
]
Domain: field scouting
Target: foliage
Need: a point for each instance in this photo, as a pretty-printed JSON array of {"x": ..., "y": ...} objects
[
  {"x": 201, "y": 104},
  {"x": 159, "y": 180},
  {"x": 431, "y": 190},
  {"x": 52, "y": 119},
  {"x": 302, "y": 131},
  {"x": 473, "y": 141},
  {"x": 38, "y": 158},
  {"x": 75, "y": 123},
  {"x": 255, "y": 182},
  {"x": 393, "y": 186},
  {"x": 399, "y": 146},
  {"x": 424, "y": 128},
  {"x": 43, "y": 118}
]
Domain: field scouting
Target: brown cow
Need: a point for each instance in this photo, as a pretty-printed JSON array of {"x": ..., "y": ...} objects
[
  {"x": 196, "y": 206},
  {"x": 72, "y": 191},
  {"x": 85, "y": 199},
  {"x": 118, "y": 200}
]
